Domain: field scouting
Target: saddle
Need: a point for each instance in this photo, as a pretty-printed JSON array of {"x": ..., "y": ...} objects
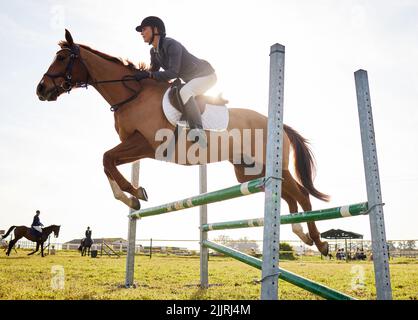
[
  {"x": 201, "y": 100},
  {"x": 35, "y": 233}
]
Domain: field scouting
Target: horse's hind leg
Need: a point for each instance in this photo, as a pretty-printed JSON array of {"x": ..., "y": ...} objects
[
  {"x": 37, "y": 248},
  {"x": 11, "y": 245},
  {"x": 302, "y": 197},
  {"x": 296, "y": 227}
]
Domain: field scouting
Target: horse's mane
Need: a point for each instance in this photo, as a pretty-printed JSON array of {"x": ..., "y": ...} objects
[{"x": 124, "y": 62}]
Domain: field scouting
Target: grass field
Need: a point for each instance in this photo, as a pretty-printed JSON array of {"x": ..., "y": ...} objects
[{"x": 172, "y": 277}]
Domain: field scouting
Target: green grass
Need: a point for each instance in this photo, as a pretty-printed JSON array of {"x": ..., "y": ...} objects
[{"x": 171, "y": 277}]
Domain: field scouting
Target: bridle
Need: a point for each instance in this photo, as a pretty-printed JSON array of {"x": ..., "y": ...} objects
[{"x": 67, "y": 85}]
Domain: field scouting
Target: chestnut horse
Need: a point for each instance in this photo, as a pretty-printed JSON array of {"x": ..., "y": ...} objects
[
  {"x": 22, "y": 231},
  {"x": 139, "y": 116}
]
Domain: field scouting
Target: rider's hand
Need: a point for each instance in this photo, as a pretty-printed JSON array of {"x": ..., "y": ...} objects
[{"x": 139, "y": 75}]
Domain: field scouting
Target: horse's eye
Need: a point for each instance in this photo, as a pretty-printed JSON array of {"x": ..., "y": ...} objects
[{"x": 60, "y": 58}]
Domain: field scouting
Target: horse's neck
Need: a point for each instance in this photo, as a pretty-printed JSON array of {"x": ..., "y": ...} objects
[
  {"x": 101, "y": 69},
  {"x": 47, "y": 230}
]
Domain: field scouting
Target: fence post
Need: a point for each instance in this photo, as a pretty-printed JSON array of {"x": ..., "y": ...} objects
[
  {"x": 271, "y": 232},
  {"x": 374, "y": 196},
  {"x": 204, "y": 251},
  {"x": 130, "y": 254}
]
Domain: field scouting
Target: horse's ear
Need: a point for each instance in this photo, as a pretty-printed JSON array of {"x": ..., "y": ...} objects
[{"x": 69, "y": 37}]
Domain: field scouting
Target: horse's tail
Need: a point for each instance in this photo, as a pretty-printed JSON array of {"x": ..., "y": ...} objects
[
  {"x": 304, "y": 163},
  {"x": 8, "y": 232}
]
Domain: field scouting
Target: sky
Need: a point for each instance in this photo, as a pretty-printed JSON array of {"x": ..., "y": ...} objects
[{"x": 51, "y": 153}]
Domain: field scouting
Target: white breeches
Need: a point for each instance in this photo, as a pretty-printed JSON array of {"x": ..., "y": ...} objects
[
  {"x": 197, "y": 86},
  {"x": 38, "y": 228}
]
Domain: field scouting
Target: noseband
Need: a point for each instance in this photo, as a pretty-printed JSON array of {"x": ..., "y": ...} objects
[{"x": 68, "y": 84}]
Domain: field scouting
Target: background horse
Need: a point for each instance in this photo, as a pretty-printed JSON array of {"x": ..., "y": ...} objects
[
  {"x": 139, "y": 116},
  {"x": 22, "y": 231},
  {"x": 85, "y": 245}
]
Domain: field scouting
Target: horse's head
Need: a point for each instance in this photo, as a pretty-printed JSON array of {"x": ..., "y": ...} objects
[
  {"x": 67, "y": 71},
  {"x": 56, "y": 230}
]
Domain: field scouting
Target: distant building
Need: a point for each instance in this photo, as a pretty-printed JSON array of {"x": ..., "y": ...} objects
[
  {"x": 167, "y": 250},
  {"x": 246, "y": 247},
  {"x": 117, "y": 244}
]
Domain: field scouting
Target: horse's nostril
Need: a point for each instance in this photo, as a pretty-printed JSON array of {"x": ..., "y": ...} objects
[{"x": 40, "y": 88}]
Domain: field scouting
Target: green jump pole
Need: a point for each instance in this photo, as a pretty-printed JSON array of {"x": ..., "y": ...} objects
[
  {"x": 236, "y": 191},
  {"x": 308, "y": 285},
  {"x": 324, "y": 214}
]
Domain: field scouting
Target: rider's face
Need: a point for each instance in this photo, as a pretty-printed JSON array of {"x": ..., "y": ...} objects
[{"x": 146, "y": 33}]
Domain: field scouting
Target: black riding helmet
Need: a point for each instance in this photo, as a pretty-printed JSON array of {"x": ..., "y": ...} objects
[{"x": 152, "y": 21}]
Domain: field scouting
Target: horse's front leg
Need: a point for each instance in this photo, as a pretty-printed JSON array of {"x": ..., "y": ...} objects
[
  {"x": 131, "y": 202},
  {"x": 134, "y": 148},
  {"x": 42, "y": 249}
]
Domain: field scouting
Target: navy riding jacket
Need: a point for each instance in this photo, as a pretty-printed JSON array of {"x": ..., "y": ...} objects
[
  {"x": 36, "y": 222},
  {"x": 177, "y": 62}
]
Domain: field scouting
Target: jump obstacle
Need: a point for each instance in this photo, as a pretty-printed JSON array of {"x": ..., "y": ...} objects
[{"x": 271, "y": 186}]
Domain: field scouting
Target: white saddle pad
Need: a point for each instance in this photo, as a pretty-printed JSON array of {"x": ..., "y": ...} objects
[{"x": 214, "y": 118}]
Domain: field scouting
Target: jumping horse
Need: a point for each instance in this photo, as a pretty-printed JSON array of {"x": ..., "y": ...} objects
[{"x": 138, "y": 116}]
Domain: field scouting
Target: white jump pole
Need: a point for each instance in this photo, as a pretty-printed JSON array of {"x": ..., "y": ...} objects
[
  {"x": 204, "y": 251},
  {"x": 130, "y": 254}
]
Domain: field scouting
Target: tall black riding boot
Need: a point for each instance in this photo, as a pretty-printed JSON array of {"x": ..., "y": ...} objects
[{"x": 194, "y": 118}]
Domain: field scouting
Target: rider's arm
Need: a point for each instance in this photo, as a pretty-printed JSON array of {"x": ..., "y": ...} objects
[
  {"x": 155, "y": 65},
  {"x": 174, "y": 51}
]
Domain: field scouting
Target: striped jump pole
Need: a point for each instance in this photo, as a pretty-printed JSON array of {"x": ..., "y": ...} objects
[
  {"x": 253, "y": 186},
  {"x": 301, "y": 282},
  {"x": 317, "y": 215}
]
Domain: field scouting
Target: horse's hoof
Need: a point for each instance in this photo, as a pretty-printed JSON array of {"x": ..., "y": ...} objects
[
  {"x": 135, "y": 204},
  {"x": 324, "y": 248},
  {"x": 142, "y": 194},
  {"x": 309, "y": 242}
]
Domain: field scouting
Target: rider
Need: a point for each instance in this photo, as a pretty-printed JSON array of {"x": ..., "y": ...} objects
[
  {"x": 88, "y": 233},
  {"x": 177, "y": 62},
  {"x": 37, "y": 224}
]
